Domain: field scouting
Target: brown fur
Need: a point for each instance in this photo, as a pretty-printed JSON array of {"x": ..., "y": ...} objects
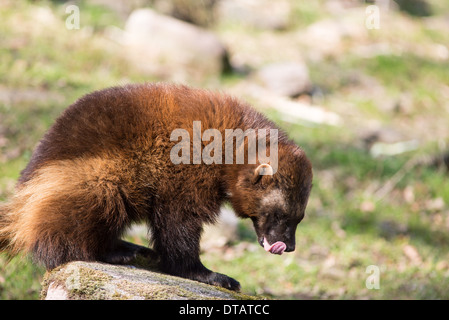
[{"x": 105, "y": 163}]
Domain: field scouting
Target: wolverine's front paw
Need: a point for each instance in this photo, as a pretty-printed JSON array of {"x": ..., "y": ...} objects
[{"x": 221, "y": 280}]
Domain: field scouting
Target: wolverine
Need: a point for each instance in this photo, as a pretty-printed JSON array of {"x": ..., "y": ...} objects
[{"x": 105, "y": 164}]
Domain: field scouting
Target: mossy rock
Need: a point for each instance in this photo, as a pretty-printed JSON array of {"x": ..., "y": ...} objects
[{"x": 98, "y": 281}]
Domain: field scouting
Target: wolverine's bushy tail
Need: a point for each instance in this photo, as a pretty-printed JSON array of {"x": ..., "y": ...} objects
[
  {"x": 13, "y": 224},
  {"x": 4, "y": 222},
  {"x": 68, "y": 210}
]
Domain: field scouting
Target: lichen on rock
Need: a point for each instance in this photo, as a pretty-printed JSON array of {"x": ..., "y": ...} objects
[{"x": 98, "y": 281}]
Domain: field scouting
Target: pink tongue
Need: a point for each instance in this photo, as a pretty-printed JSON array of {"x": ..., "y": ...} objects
[{"x": 276, "y": 248}]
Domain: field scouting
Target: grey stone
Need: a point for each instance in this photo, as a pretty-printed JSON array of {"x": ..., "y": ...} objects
[
  {"x": 98, "y": 281},
  {"x": 166, "y": 47},
  {"x": 220, "y": 234},
  {"x": 285, "y": 78}
]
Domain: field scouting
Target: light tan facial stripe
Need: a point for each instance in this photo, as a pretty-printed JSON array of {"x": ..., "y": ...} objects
[{"x": 274, "y": 198}]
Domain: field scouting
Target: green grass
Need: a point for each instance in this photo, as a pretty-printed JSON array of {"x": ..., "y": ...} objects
[
  {"x": 20, "y": 279},
  {"x": 411, "y": 68},
  {"x": 349, "y": 224},
  {"x": 304, "y": 14}
]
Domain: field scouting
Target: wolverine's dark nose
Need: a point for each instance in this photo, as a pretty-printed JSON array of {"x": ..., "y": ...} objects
[{"x": 290, "y": 243}]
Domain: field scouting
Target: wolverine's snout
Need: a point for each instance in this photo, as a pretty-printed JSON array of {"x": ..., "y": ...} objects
[{"x": 290, "y": 247}]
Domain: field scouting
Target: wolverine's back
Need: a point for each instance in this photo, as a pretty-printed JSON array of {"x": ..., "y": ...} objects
[
  {"x": 109, "y": 123},
  {"x": 129, "y": 121}
]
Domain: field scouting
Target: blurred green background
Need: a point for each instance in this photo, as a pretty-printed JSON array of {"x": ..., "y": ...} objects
[{"x": 375, "y": 80}]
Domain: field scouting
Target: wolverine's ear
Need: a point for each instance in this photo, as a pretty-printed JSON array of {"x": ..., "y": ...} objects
[{"x": 264, "y": 169}]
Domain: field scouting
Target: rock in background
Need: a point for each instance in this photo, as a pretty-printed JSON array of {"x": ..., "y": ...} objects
[
  {"x": 285, "y": 78},
  {"x": 222, "y": 233},
  {"x": 166, "y": 47}
]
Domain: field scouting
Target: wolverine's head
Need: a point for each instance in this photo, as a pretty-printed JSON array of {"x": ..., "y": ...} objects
[{"x": 276, "y": 202}]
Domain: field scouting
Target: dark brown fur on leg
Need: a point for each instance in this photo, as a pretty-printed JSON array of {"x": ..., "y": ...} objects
[
  {"x": 179, "y": 248},
  {"x": 123, "y": 252}
]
